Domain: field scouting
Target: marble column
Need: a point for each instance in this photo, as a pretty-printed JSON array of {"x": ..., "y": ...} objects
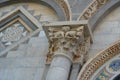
[
  {"x": 67, "y": 44},
  {"x": 60, "y": 68},
  {"x": 75, "y": 71}
]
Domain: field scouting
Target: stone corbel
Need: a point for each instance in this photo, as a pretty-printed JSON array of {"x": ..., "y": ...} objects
[{"x": 69, "y": 39}]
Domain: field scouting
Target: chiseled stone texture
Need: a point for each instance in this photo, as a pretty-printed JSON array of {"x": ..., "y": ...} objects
[{"x": 106, "y": 33}]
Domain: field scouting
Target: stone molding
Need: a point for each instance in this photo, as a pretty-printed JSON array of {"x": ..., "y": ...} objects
[
  {"x": 23, "y": 11},
  {"x": 14, "y": 21},
  {"x": 61, "y": 7},
  {"x": 68, "y": 39},
  {"x": 91, "y": 9},
  {"x": 92, "y": 65},
  {"x": 66, "y": 7}
]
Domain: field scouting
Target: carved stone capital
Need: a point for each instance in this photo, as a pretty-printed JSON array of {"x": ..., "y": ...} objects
[{"x": 68, "y": 40}]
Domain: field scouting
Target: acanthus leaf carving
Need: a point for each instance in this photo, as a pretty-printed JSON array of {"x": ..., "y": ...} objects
[{"x": 68, "y": 40}]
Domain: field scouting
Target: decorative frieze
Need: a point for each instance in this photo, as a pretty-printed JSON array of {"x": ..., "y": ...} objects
[
  {"x": 91, "y": 9},
  {"x": 68, "y": 39}
]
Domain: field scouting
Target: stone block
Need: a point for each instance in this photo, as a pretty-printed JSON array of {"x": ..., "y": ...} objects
[
  {"x": 39, "y": 74},
  {"x": 38, "y": 41},
  {"x": 16, "y": 54},
  {"x": 38, "y": 46},
  {"x": 25, "y": 62},
  {"x": 23, "y": 47}
]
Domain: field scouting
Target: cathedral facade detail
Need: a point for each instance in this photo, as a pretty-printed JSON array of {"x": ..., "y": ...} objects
[{"x": 59, "y": 40}]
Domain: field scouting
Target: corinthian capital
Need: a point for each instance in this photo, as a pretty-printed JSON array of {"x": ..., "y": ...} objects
[{"x": 68, "y": 39}]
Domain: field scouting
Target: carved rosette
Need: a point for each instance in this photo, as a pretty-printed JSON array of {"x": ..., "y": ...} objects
[{"x": 68, "y": 40}]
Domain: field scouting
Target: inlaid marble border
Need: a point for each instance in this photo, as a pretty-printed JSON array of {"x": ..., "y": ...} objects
[
  {"x": 24, "y": 15},
  {"x": 14, "y": 21}
]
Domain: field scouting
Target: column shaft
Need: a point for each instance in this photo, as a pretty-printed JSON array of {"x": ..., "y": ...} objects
[{"x": 59, "y": 69}]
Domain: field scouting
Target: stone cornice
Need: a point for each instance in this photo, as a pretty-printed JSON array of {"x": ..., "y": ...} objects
[{"x": 92, "y": 65}]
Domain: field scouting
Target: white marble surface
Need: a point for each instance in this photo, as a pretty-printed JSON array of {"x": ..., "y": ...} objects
[
  {"x": 59, "y": 69},
  {"x": 106, "y": 33}
]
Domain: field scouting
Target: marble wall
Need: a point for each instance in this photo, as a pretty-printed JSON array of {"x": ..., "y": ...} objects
[{"x": 106, "y": 33}]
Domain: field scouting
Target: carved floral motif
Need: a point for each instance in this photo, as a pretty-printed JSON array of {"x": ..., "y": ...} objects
[{"x": 68, "y": 40}]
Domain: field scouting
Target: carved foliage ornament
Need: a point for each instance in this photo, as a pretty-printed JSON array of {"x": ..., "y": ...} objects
[{"x": 68, "y": 40}]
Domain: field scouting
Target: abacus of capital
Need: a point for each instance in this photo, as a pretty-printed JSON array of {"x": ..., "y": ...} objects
[{"x": 69, "y": 43}]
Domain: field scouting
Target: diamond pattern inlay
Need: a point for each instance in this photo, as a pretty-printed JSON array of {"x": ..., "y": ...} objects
[{"x": 12, "y": 34}]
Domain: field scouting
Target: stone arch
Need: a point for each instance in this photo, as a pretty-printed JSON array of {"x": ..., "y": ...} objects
[
  {"x": 61, "y": 7},
  {"x": 101, "y": 58},
  {"x": 97, "y": 61},
  {"x": 96, "y": 11}
]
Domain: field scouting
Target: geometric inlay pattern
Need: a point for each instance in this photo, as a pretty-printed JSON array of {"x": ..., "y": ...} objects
[
  {"x": 18, "y": 20},
  {"x": 12, "y": 34}
]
